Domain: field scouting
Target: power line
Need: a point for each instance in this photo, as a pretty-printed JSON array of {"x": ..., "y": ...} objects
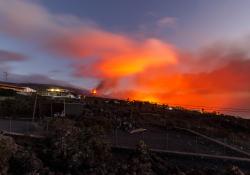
[{"x": 246, "y": 110}]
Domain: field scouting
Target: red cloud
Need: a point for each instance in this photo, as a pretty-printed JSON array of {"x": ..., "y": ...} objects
[
  {"x": 117, "y": 55},
  {"x": 8, "y": 56}
]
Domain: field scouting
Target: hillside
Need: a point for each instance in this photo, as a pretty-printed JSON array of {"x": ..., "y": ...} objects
[{"x": 175, "y": 140}]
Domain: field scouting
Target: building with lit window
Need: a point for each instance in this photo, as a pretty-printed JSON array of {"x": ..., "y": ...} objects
[{"x": 56, "y": 92}]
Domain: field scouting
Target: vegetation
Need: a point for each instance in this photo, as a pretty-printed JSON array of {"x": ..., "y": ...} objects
[
  {"x": 67, "y": 150},
  {"x": 79, "y": 149},
  {"x": 77, "y": 145},
  {"x": 140, "y": 161},
  {"x": 73, "y": 149},
  {"x": 7, "y": 93},
  {"x": 7, "y": 149},
  {"x": 20, "y": 106}
]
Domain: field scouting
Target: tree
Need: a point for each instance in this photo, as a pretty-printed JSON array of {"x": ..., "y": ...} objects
[
  {"x": 25, "y": 162},
  {"x": 74, "y": 150},
  {"x": 7, "y": 149},
  {"x": 140, "y": 161}
]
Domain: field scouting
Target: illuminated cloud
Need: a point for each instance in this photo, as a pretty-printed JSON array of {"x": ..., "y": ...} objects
[
  {"x": 8, "y": 56},
  {"x": 117, "y": 55},
  {"x": 222, "y": 85},
  {"x": 81, "y": 40}
]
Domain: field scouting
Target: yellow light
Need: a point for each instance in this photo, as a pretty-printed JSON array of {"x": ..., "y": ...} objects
[{"x": 52, "y": 90}]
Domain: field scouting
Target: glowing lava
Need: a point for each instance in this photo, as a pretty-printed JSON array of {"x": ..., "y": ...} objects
[{"x": 94, "y": 92}]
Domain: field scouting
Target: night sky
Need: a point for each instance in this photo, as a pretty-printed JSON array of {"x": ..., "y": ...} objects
[{"x": 172, "y": 51}]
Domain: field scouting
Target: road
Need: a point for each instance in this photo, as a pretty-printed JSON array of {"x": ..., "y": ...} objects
[{"x": 174, "y": 140}]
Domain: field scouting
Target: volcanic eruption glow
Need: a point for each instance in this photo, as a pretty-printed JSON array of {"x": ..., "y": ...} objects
[
  {"x": 154, "y": 70},
  {"x": 165, "y": 81},
  {"x": 94, "y": 92}
]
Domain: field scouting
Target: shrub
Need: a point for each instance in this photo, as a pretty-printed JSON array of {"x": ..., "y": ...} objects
[
  {"x": 74, "y": 150},
  {"x": 7, "y": 148},
  {"x": 25, "y": 162}
]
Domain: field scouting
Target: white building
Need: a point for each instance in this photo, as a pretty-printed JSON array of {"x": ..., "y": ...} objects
[{"x": 18, "y": 89}]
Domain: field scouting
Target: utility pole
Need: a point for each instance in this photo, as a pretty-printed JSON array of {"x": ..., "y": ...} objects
[
  {"x": 34, "y": 110},
  {"x": 5, "y": 76},
  {"x": 64, "y": 108}
]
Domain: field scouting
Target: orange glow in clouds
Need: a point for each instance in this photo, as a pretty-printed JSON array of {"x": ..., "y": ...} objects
[
  {"x": 153, "y": 70},
  {"x": 152, "y": 53}
]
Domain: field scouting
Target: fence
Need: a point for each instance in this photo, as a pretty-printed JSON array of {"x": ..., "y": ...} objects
[
  {"x": 175, "y": 139},
  {"x": 172, "y": 141},
  {"x": 24, "y": 126}
]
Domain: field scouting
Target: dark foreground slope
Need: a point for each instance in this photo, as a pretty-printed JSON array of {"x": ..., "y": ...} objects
[
  {"x": 81, "y": 148},
  {"x": 102, "y": 140}
]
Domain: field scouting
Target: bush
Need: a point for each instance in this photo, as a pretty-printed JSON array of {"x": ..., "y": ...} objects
[
  {"x": 74, "y": 150},
  {"x": 7, "y": 149},
  {"x": 20, "y": 106},
  {"x": 25, "y": 162},
  {"x": 139, "y": 163},
  {"x": 7, "y": 92}
]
